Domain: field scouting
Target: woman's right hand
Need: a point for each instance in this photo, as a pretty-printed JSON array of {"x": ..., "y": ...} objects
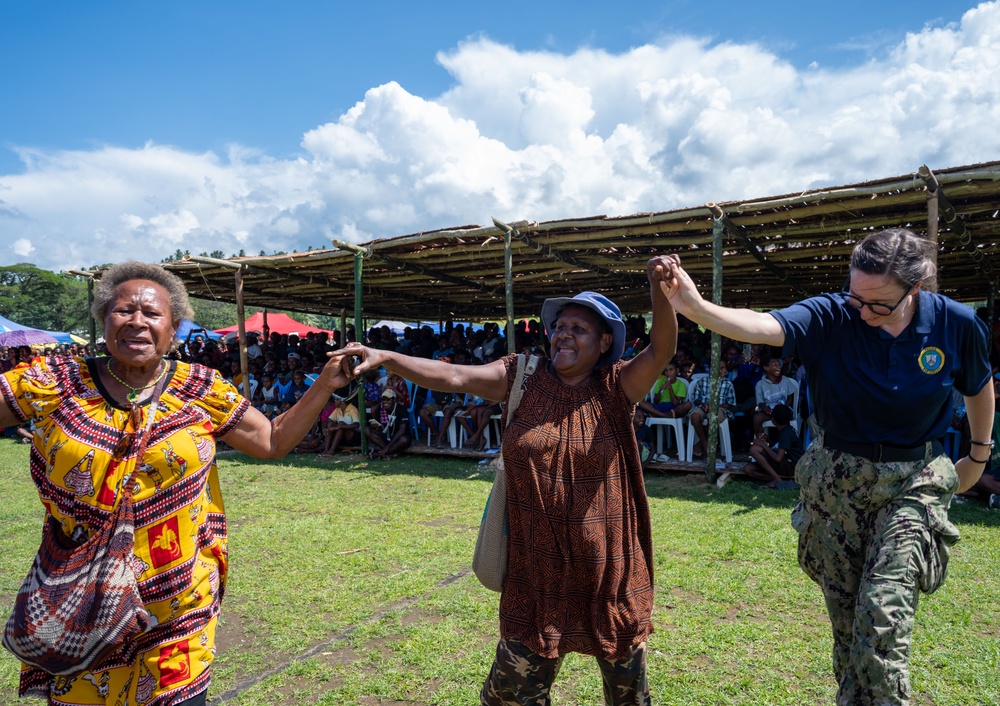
[
  {"x": 354, "y": 359},
  {"x": 679, "y": 288}
]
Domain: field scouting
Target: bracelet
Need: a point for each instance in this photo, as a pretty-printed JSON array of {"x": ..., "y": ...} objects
[
  {"x": 991, "y": 443},
  {"x": 976, "y": 460}
]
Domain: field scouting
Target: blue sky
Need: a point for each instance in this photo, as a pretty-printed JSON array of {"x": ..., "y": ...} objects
[{"x": 103, "y": 100}]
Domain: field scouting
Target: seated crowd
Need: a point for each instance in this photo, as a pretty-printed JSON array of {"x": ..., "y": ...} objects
[{"x": 760, "y": 394}]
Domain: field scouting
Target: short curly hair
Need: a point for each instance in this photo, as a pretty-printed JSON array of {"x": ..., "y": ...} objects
[{"x": 180, "y": 307}]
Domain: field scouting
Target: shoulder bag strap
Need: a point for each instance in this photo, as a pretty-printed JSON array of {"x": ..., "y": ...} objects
[{"x": 526, "y": 366}]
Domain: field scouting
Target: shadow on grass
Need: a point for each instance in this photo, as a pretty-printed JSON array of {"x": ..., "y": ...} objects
[{"x": 690, "y": 487}]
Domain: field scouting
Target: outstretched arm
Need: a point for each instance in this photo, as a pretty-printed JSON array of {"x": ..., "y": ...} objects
[
  {"x": 487, "y": 381},
  {"x": 261, "y": 437},
  {"x": 739, "y": 324},
  {"x": 641, "y": 372}
]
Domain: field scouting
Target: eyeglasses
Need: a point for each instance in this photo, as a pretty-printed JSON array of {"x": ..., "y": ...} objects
[
  {"x": 124, "y": 444},
  {"x": 876, "y": 308}
]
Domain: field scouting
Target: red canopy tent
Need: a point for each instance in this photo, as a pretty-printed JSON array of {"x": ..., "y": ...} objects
[{"x": 276, "y": 323}]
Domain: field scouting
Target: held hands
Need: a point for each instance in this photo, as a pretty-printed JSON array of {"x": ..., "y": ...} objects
[
  {"x": 676, "y": 284},
  {"x": 658, "y": 269},
  {"x": 351, "y": 361}
]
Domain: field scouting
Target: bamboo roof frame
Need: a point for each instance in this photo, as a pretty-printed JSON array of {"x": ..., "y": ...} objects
[{"x": 774, "y": 242}]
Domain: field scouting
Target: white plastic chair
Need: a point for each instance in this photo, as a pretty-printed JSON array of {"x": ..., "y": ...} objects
[
  {"x": 457, "y": 433},
  {"x": 453, "y": 437},
  {"x": 661, "y": 424},
  {"x": 725, "y": 442},
  {"x": 492, "y": 423}
]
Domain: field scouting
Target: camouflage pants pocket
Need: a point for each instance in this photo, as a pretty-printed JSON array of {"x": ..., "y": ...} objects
[
  {"x": 802, "y": 523},
  {"x": 932, "y": 562}
]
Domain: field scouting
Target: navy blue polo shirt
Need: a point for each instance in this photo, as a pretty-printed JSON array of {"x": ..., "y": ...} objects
[{"x": 869, "y": 387}]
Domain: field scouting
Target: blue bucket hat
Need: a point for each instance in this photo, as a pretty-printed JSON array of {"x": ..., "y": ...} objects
[{"x": 603, "y": 307}]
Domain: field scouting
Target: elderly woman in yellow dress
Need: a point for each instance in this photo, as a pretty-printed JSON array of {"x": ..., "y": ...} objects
[{"x": 88, "y": 413}]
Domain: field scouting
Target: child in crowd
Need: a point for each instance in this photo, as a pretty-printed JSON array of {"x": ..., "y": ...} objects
[
  {"x": 771, "y": 464},
  {"x": 392, "y": 435},
  {"x": 340, "y": 426},
  {"x": 268, "y": 396},
  {"x": 669, "y": 395},
  {"x": 773, "y": 389}
]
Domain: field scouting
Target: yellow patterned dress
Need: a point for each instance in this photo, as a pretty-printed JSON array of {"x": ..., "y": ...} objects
[{"x": 180, "y": 525}]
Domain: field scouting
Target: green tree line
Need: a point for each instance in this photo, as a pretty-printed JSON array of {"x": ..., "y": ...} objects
[{"x": 55, "y": 301}]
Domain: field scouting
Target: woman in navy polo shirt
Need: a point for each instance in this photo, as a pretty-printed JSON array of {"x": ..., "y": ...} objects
[{"x": 883, "y": 357}]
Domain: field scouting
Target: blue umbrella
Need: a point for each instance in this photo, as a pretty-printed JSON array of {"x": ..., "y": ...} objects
[{"x": 187, "y": 326}]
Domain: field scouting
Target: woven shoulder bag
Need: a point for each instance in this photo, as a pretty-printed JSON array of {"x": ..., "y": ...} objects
[{"x": 78, "y": 605}]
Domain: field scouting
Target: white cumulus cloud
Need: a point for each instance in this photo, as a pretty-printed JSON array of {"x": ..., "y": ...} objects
[
  {"x": 529, "y": 134},
  {"x": 22, "y": 247}
]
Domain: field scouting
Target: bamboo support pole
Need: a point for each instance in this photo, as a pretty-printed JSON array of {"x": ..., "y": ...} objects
[
  {"x": 718, "y": 229},
  {"x": 359, "y": 254},
  {"x": 240, "y": 324},
  {"x": 92, "y": 323},
  {"x": 218, "y": 262},
  {"x": 957, "y": 226},
  {"x": 508, "y": 278},
  {"x": 932, "y": 215},
  {"x": 240, "y": 315}
]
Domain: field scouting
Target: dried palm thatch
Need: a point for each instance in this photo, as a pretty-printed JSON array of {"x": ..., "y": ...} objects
[{"x": 777, "y": 249}]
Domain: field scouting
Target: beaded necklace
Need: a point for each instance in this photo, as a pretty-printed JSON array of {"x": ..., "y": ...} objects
[{"x": 133, "y": 394}]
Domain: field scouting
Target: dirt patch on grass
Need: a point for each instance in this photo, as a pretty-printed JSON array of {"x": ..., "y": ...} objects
[
  {"x": 230, "y": 631},
  {"x": 419, "y": 616}
]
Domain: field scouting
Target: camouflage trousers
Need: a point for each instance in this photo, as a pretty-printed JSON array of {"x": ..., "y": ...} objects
[
  {"x": 520, "y": 677},
  {"x": 873, "y": 535}
]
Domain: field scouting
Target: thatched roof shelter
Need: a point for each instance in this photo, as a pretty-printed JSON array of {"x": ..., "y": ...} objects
[{"x": 777, "y": 249}]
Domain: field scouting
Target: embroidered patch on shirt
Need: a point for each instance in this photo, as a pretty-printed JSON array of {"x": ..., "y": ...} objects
[{"x": 931, "y": 360}]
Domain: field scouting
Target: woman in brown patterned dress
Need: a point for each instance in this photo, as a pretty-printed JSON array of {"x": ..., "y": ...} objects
[{"x": 580, "y": 574}]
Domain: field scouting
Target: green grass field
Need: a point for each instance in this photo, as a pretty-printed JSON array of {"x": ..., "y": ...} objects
[{"x": 350, "y": 584}]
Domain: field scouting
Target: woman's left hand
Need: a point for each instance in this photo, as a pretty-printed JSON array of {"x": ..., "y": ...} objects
[
  {"x": 355, "y": 359},
  {"x": 337, "y": 371},
  {"x": 658, "y": 269}
]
